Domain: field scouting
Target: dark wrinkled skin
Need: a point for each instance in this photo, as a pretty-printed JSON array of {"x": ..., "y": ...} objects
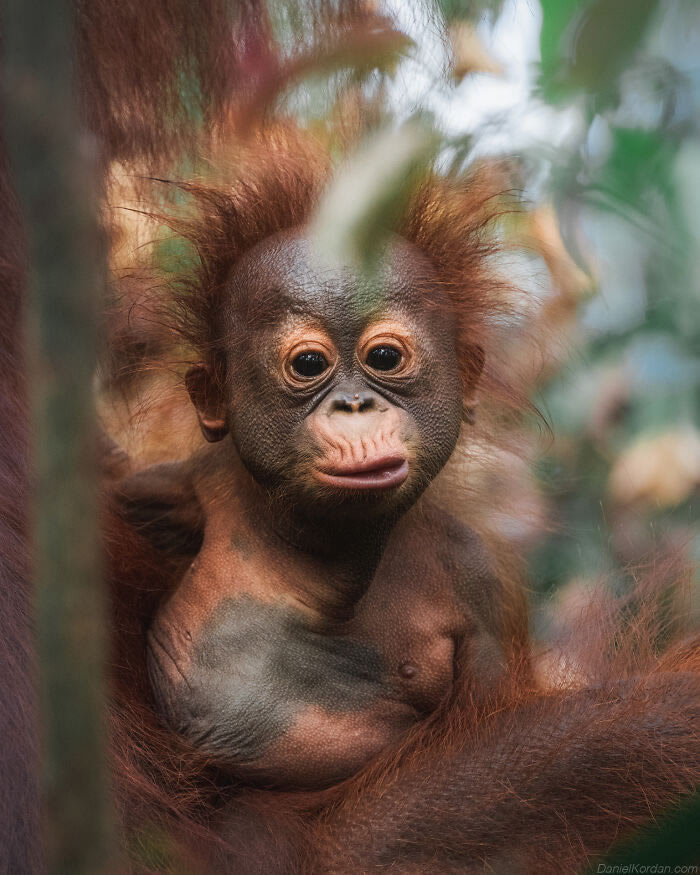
[
  {"x": 316, "y": 623},
  {"x": 280, "y": 282}
]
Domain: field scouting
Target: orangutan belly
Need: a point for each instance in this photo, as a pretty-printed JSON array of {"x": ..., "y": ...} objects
[{"x": 262, "y": 691}]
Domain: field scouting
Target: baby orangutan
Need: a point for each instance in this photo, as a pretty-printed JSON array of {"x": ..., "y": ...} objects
[
  {"x": 321, "y": 616},
  {"x": 341, "y": 679}
]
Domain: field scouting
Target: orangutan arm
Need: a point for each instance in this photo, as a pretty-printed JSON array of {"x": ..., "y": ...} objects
[{"x": 537, "y": 787}]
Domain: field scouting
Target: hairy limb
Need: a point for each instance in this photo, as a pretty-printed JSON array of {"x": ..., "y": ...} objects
[
  {"x": 19, "y": 801},
  {"x": 540, "y": 786}
]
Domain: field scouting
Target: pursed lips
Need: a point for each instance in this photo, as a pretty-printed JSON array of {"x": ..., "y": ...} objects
[{"x": 381, "y": 473}]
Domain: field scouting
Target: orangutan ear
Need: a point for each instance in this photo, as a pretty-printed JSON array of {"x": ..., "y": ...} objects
[{"x": 207, "y": 397}]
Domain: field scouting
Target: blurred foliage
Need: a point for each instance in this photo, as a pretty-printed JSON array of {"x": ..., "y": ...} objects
[
  {"x": 625, "y": 466},
  {"x": 586, "y": 45}
]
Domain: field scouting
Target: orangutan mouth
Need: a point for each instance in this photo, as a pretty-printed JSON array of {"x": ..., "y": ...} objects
[{"x": 380, "y": 473}]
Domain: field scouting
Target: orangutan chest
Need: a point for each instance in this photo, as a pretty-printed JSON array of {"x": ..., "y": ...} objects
[{"x": 284, "y": 703}]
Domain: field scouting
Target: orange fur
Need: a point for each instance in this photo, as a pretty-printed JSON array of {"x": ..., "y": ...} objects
[
  {"x": 500, "y": 781},
  {"x": 546, "y": 778}
]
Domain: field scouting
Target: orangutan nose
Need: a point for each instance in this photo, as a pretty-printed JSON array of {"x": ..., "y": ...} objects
[{"x": 352, "y": 402}]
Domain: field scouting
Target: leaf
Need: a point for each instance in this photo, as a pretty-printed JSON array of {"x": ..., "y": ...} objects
[
  {"x": 638, "y": 161},
  {"x": 586, "y": 45},
  {"x": 367, "y": 197},
  {"x": 556, "y": 18}
]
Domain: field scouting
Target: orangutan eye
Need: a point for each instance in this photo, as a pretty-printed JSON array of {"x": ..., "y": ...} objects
[
  {"x": 384, "y": 358},
  {"x": 309, "y": 364}
]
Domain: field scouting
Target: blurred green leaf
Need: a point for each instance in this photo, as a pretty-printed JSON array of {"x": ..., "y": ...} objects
[
  {"x": 586, "y": 45},
  {"x": 556, "y": 18},
  {"x": 367, "y": 197},
  {"x": 640, "y": 162}
]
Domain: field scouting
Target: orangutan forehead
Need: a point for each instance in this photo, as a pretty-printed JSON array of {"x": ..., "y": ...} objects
[{"x": 286, "y": 274}]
